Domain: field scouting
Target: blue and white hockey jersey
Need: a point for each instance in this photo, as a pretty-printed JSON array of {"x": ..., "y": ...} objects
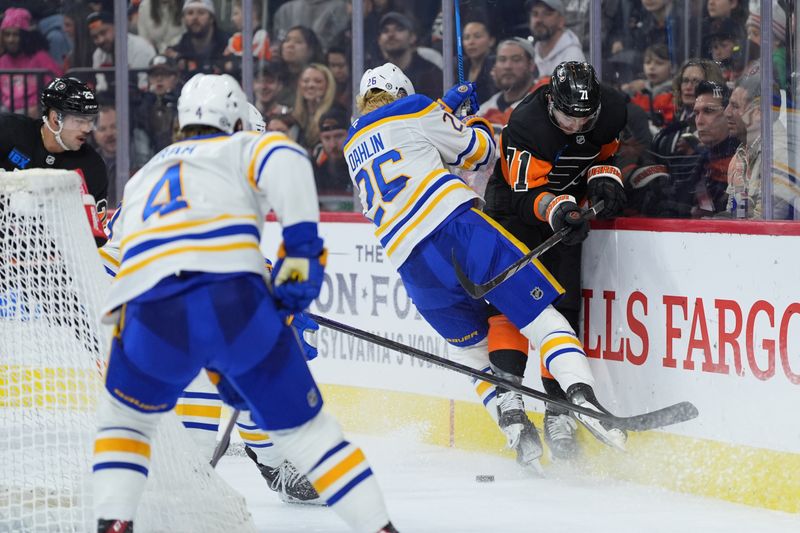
[
  {"x": 398, "y": 157},
  {"x": 199, "y": 205}
]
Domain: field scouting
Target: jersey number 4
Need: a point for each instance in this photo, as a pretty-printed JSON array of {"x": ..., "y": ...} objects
[
  {"x": 387, "y": 190},
  {"x": 166, "y": 195}
]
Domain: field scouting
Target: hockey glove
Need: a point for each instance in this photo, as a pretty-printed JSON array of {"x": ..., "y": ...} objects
[
  {"x": 307, "y": 330},
  {"x": 298, "y": 272},
  {"x": 563, "y": 212},
  {"x": 604, "y": 182},
  {"x": 455, "y": 97}
]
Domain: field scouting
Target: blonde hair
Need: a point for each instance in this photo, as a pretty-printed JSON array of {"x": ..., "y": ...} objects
[
  {"x": 374, "y": 99},
  {"x": 309, "y": 122}
]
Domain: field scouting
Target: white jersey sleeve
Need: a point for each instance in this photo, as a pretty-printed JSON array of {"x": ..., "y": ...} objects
[
  {"x": 199, "y": 205},
  {"x": 397, "y": 157}
]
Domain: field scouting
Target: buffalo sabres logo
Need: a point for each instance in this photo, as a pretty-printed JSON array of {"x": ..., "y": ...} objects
[
  {"x": 580, "y": 139},
  {"x": 50, "y": 159},
  {"x": 537, "y": 293},
  {"x": 463, "y": 88}
]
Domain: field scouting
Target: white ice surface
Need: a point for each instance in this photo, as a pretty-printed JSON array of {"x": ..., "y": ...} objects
[{"x": 431, "y": 489}]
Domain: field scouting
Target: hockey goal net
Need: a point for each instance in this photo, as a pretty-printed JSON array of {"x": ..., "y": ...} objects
[{"x": 52, "y": 354}]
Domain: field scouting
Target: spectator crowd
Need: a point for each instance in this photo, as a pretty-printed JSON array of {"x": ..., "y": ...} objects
[{"x": 692, "y": 146}]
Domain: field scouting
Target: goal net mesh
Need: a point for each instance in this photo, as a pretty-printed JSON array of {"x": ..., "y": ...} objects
[{"x": 53, "y": 350}]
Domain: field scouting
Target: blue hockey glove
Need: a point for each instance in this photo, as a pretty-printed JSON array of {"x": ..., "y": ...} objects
[
  {"x": 298, "y": 272},
  {"x": 459, "y": 94},
  {"x": 307, "y": 329}
]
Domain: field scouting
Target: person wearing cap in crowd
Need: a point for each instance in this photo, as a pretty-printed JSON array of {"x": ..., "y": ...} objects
[
  {"x": 25, "y": 48},
  {"x": 397, "y": 40},
  {"x": 514, "y": 73},
  {"x": 553, "y": 42},
  {"x": 753, "y": 28},
  {"x": 160, "y": 22},
  {"x": 101, "y": 29},
  {"x": 58, "y": 140},
  {"x": 202, "y": 46},
  {"x": 334, "y": 187},
  {"x": 326, "y": 18},
  {"x": 158, "y": 109}
]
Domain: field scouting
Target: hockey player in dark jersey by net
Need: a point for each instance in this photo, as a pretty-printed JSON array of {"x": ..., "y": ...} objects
[{"x": 557, "y": 152}]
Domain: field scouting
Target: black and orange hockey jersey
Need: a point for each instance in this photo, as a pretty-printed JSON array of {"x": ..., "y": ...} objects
[{"x": 539, "y": 161}]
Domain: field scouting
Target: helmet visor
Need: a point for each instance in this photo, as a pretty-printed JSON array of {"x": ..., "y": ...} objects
[
  {"x": 85, "y": 123},
  {"x": 572, "y": 125}
]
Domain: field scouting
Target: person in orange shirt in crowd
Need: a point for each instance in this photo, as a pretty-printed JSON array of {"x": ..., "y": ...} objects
[{"x": 654, "y": 93}]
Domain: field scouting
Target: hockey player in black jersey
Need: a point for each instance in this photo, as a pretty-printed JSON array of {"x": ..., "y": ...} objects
[
  {"x": 557, "y": 152},
  {"x": 58, "y": 141}
]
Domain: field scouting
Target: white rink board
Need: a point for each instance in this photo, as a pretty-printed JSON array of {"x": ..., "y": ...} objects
[
  {"x": 754, "y": 275},
  {"x": 735, "y": 271}
]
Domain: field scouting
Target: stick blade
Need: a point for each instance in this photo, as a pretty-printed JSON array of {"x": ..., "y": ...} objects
[{"x": 667, "y": 416}]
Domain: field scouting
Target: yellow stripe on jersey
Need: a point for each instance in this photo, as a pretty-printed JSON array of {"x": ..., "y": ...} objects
[
  {"x": 335, "y": 473},
  {"x": 559, "y": 341},
  {"x": 122, "y": 445},
  {"x": 524, "y": 249},
  {"x": 480, "y": 153},
  {"x": 253, "y": 437},
  {"x": 482, "y": 387},
  {"x": 108, "y": 257},
  {"x": 268, "y": 139},
  {"x": 421, "y": 216},
  {"x": 386, "y": 120},
  {"x": 411, "y": 201},
  {"x": 183, "y": 225},
  {"x": 126, "y": 270},
  {"x": 206, "y": 411}
]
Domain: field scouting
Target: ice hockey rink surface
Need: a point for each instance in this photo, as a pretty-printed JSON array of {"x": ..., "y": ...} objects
[{"x": 432, "y": 489}]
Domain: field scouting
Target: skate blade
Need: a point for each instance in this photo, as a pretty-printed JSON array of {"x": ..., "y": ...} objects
[
  {"x": 533, "y": 469},
  {"x": 612, "y": 438},
  {"x": 319, "y": 502}
]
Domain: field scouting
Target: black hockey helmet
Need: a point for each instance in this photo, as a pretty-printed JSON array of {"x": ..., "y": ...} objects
[
  {"x": 69, "y": 95},
  {"x": 575, "y": 89}
]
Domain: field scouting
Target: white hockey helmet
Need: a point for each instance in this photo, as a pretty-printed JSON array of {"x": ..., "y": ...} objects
[
  {"x": 212, "y": 100},
  {"x": 255, "y": 121},
  {"x": 387, "y": 77}
]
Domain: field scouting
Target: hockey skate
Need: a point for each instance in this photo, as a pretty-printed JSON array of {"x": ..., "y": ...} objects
[
  {"x": 583, "y": 395},
  {"x": 519, "y": 431},
  {"x": 291, "y": 485},
  {"x": 560, "y": 435},
  {"x": 114, "y": 526}
]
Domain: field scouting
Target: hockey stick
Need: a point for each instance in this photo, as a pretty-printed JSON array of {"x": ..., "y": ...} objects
[
  {"x": 478, "y": 290},
  {"x": 465, "y": 108},
  {"x": 673, "y": 414},
  {"x": 225, "y": 441}
]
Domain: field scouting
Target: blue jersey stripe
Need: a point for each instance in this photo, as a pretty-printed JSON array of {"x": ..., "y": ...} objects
[
  {"x": 350, "y": 486},
  {"x": 490, "y": 397},
  {"x": 438, "y": 184},
  {"x": 120, "y": 465},
  {"x": 330, "y": 452},
  {"x": 266, "y": 445},
  {"x": 272, "y": 151},
  {"x": 560, "y": 352},
  {"x": 468, "y": 149},
  {"x": 123, "y": 428},
  {"x": 239, "y": 229},
  {"x": 198, "y": 425}
]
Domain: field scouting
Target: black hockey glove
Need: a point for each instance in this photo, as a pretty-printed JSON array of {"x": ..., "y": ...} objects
[
  {"x": 563, "y": 212},
  {"x": 604, "y": 182}
]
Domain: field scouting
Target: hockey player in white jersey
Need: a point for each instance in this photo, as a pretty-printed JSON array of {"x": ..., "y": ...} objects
[
  {"x": 190, "y": 294},
  {"x": 398, "y": 153},
  {"x": 199, "y": 406}
]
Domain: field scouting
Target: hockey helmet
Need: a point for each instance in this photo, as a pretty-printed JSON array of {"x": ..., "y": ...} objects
[
  {"x": 69, "y": 95},
  {"x": 214, "y": 100},
  {"x": 575, "y": 92},
  {"x": 387, "y": 77},
  {"x": 255, "y": 121}
]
